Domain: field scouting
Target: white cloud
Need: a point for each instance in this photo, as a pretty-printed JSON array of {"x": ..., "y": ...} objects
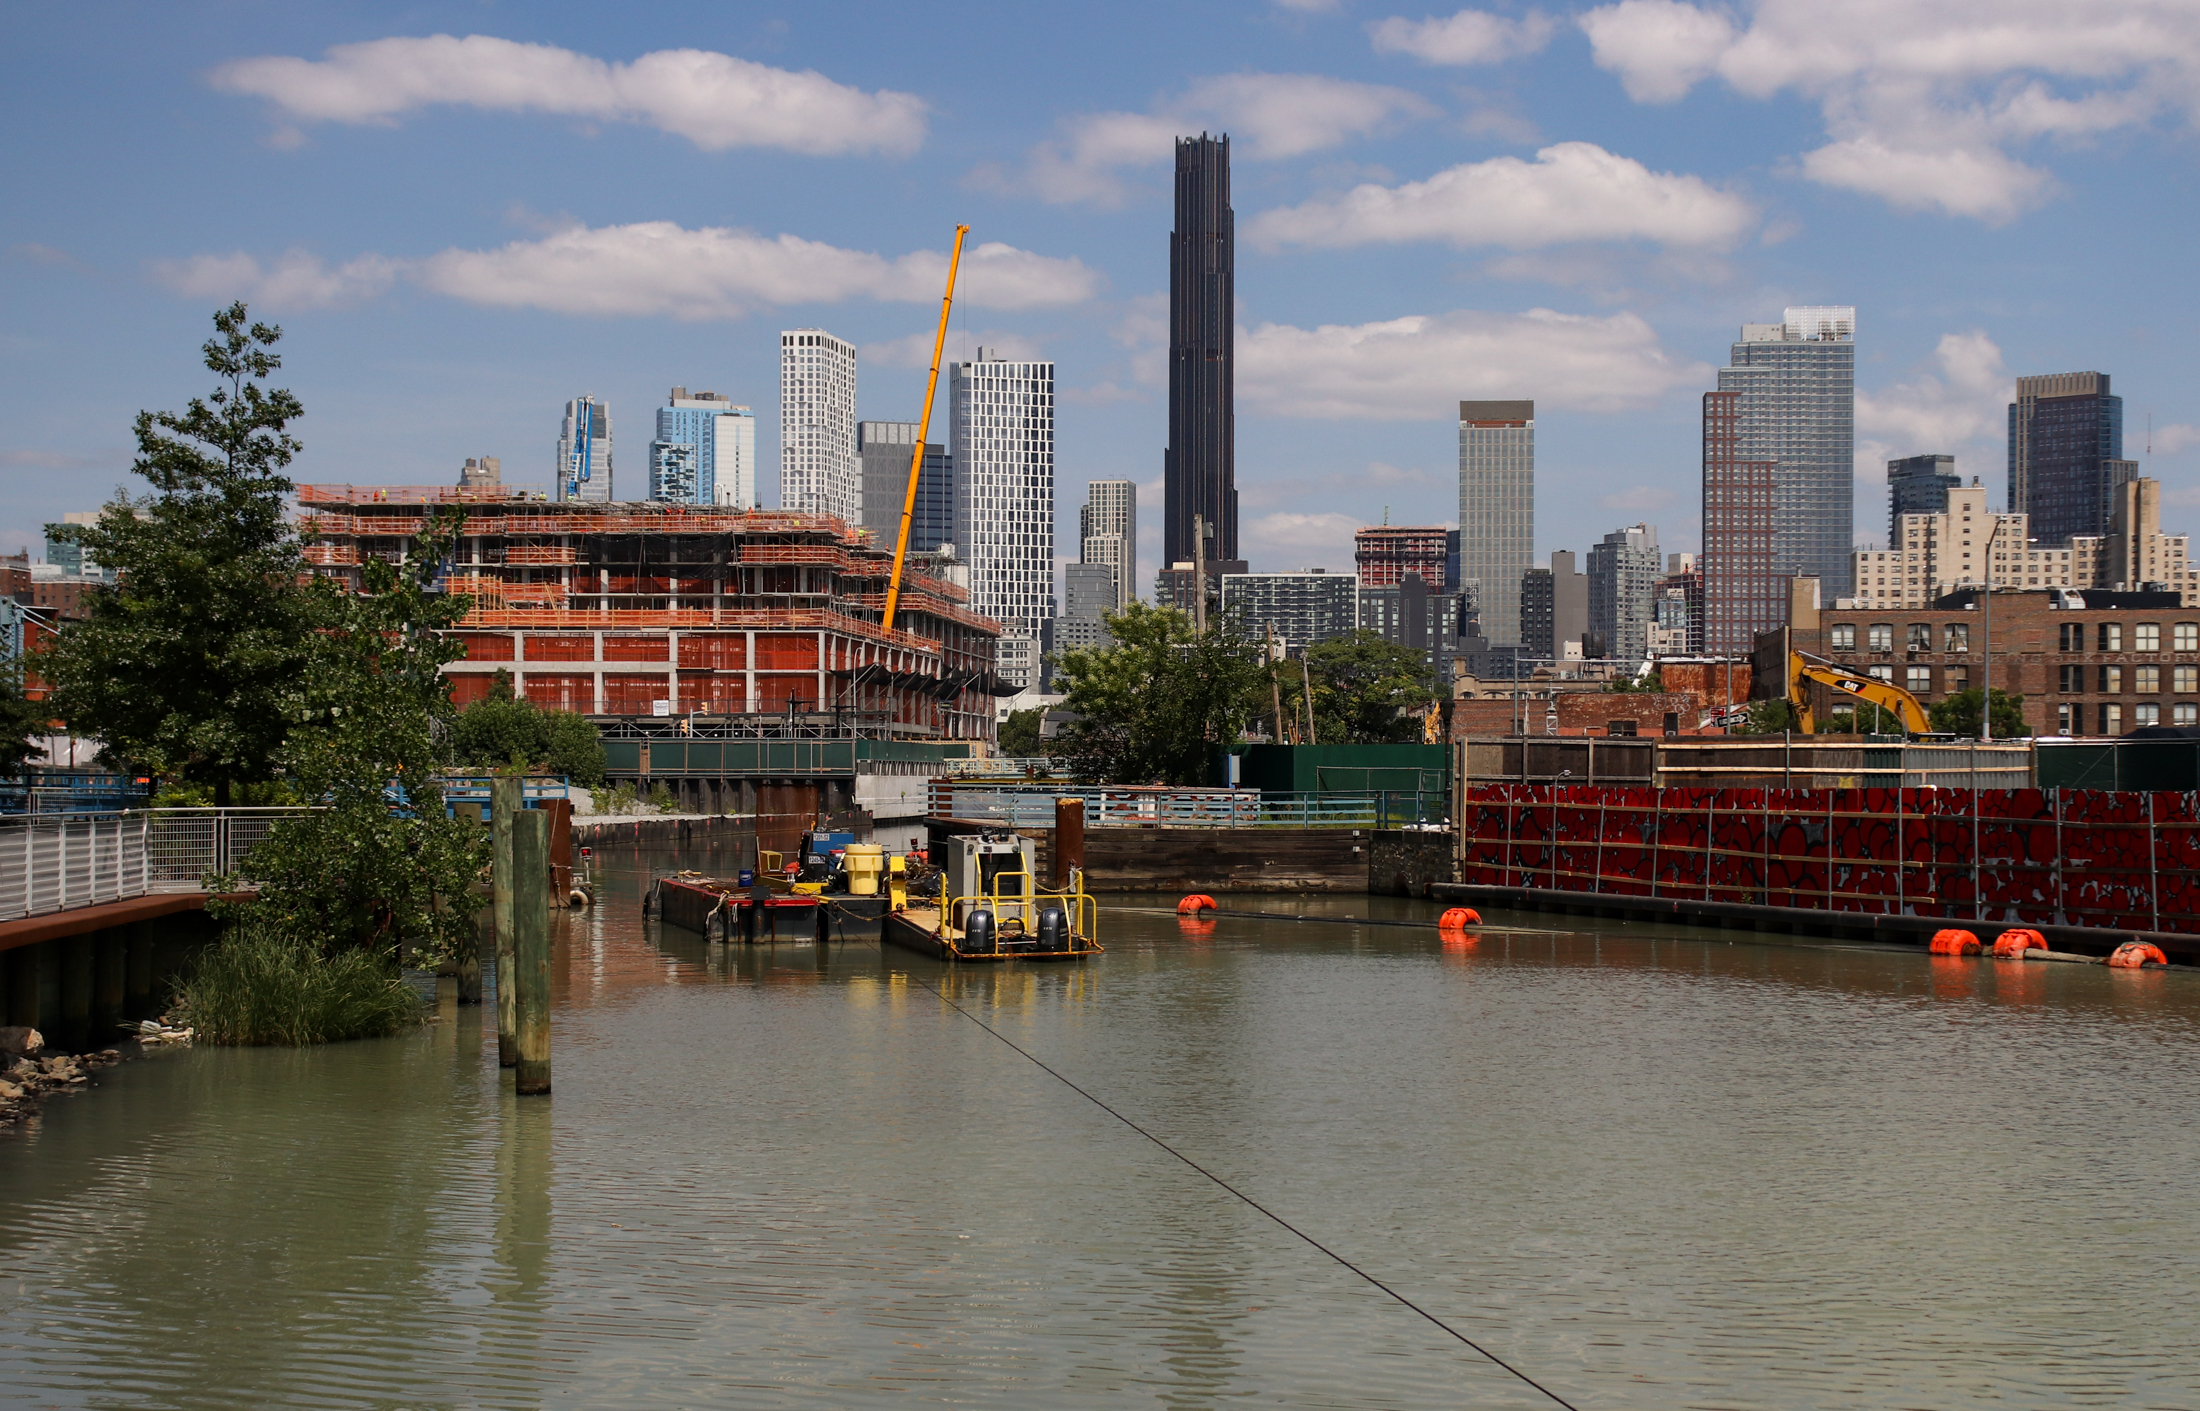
[
  {"x": 714, "y": 100},
  {"x": 2175, "y": 437},
  {"x": 654, "y": 268},
  {"x": 1469, "y": 37},
  {"x": 1638, "y": 499},
  {"x": 1959, "y": 409},
  {"x": 1571, "y": 191},
  {"x": 1268, "y": 116},
  {"x": 1417, "y": 368},
  {"x": 296, "y": 280},
  {"x": 916, "y": 349},
  {"x": 1923, "y": 101},
  {"x": 1321, "y": 540}
]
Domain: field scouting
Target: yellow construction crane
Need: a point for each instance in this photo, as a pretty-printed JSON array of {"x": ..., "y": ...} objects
[
  {"x": 1803, "y": 670},
  {"x": 924, "y": 426}
]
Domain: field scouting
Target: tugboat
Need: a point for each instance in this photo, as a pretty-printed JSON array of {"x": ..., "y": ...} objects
[{"x": 989, "y": 908}]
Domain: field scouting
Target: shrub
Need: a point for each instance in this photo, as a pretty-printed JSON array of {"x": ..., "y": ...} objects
[
  {"x": 259, "y": 985},
  {"x": 661, "y": 799},
  {"x": 616, "y": 800}
]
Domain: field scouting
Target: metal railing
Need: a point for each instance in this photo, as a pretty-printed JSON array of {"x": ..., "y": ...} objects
[
  {"x": 56, "y": 862},
  {"x": 1032, "y": 806}
]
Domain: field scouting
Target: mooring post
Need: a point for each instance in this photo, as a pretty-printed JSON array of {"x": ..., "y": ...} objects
[
  {"x": 504, "y": 805},
  {"x": 530, "y": 873},
  {"x": 1069, "y": 840}
]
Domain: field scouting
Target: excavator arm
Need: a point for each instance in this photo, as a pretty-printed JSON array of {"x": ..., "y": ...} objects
[{"x": 1885, "y": 694}]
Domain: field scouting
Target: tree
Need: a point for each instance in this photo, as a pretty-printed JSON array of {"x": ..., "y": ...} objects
[
  {"x": 21, "y": 720},
  {"x": 1163, "y": 700},
  {"x": 377, "y": 862},
  {"x": 1020, "y": 734},
  {"x": 1368, "y": 690},
  {"x": 1959, "y": 715},
  {"x": 1767, "y": 717},
  {"x": 1651, "y": 684},
  {"x": 182, "y": 665},
  {"x": 499, "y": 731}
]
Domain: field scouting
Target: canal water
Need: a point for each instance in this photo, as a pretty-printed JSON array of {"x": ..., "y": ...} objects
[{"x": 1648, "y": 1168}]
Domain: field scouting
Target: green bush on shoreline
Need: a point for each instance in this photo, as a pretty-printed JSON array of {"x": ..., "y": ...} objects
[{"x": 258, "y": 986}]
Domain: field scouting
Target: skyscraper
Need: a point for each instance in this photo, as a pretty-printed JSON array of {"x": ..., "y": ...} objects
[
  {"x": 885, "y": 448},
  {"x": 1001, "y": 436},
  {"x": 1384, "y": 554},
  {"x": 1779, "y": 470},
  {"x": 584, "y": 451},
  {"x": 1497, "y": 508},
  {"x": 818, "y": 471},
  {"x": 705, "y": 451},
  {"x": 1200, "y": 466},
  {"x": 1623, "y": 573},
  {"x": 1917, "y": 485},
  {"x": 1107, "y": 530},
  {"x": 2066, "y": 447}
]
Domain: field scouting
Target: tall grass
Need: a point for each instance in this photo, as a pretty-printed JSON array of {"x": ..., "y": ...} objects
[{"x": 257, "y": 985}]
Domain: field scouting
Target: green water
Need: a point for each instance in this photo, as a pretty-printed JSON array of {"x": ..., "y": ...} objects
[{"x": 1651, "y": 1168}]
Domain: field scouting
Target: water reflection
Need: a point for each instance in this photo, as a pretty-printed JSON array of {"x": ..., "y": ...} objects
[{"x": 1658, "y": 1168}]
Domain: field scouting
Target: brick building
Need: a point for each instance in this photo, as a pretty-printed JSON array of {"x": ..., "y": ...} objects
[{"x": 2092, "y": 663}]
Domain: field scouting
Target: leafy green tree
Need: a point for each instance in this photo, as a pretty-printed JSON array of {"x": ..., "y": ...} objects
[
  {"x": 1651, "y": 684},
  {"x": 1959, "y": 715},
  {"x": 182, "y": 666},
  {"x": 21, "y": 719},
  {"x": 377, "y": 862},
  {"x": 1020, "y": 734},
  {"x": 500, "y": 731},
  {"x": 1161, "y": 701},
  {"x": 1769, "y": 717},
  {"x": 1368, "y": 690}
]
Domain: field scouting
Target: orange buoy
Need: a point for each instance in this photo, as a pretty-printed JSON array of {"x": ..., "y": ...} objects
[
  {"x": 1198, "y": 901},
  {"x": 2011, "y": 945},
  {"x": 1458, "y": 919},
  {"x": 2133, "y": 954},
  {"x": 1954, "y": 943}
]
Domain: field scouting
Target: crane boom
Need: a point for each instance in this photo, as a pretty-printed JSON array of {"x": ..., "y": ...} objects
[
  {"x": 1884, "y": 694},
  {"x": 924, "y": 426}
]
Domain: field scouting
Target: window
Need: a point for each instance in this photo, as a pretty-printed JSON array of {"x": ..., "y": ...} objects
[
  {"x": 2186, "y": 637},
  {"x": 2066, "y": 721},
  {"x": 1920, "y": 680},
  {"x": 2146, "y": 637},
  {"x": 2184, "y": 680},
  {"x": 2148, "y": 714},
  {"x": 2070, "y": 637},
  {"x": 1882, "y": 673},
  {"x": 1957, "y": 638},
  {"x": 1844, "y": 637},
  {"x": 1921, "y": 636},
  {"x": 2070, "y": 680},
  {"x": 2185, "y": 713},
  {"x": 2112, "y": 720},
  {"x": 1882, "y": 636},
  {"x": 2146, "y": 680},
  {"x": 2112, "y": 637},
  {"x": 2112, "y": 680},
  {"x": 1956, "y": 680}
]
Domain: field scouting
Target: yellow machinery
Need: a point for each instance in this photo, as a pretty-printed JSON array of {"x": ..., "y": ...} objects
[{"x": 1870, "y": 690}]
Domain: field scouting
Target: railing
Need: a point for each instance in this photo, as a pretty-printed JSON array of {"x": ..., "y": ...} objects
[
  {"x": 1032, "y": 806},
  {"x": 56, "y": 862}
]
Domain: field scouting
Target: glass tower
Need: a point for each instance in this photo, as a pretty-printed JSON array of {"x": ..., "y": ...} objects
[
  {"x": 584, "y": 451},
  {"x": 1200, "y": 465},
  {"x": 1796, "y": 407},
  {"x": 2066, "y": 447},
  {"x": 1497, "y": 509},
  {"x": 705, "y": 451},
  {"x": 818, "y": 470}
]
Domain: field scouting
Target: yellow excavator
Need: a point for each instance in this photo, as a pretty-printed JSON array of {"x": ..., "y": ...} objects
[{"x": 1802, "y": 670}]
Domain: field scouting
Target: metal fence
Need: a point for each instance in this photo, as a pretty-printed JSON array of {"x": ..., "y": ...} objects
[
  {"x": 1032, "y": 806},
  {"x": 57, "y": 862}
]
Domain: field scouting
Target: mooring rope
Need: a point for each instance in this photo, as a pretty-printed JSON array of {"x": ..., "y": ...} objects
[{"x": 1059, "y": 1077}]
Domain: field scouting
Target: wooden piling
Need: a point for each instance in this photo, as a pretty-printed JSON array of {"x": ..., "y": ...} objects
[
  {"x": 531, "y": 948},
  {"x": 1069, "y": 840},
  {"x": 504, "y": 806}
]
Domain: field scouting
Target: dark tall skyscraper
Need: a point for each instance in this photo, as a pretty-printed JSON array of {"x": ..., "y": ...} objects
[
  {"x": 1201, "y": 462},
  {"x": 2066, "y": 447},
  {"x": 1917, "y": 485}
]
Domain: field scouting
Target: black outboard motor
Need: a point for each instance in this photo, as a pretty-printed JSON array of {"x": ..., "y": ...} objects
[
  {"x": 978, "y": 933},
  {"x": 1053, "y": 929}
]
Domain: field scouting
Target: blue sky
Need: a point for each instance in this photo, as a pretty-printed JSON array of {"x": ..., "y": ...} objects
[{"x": 463, "y": 214}]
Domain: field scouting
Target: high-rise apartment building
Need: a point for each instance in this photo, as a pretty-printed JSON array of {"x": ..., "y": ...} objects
[
  {"x": 1001, "y": 437},
  {"x": 885, "y": 449},
  {"x": 1918, "y": 485},
  {"x": 1623, "y": 573},
  {"x": 1676, "y": 627},
  {"x": 480, "y": 473},
  {"x": 1107, "y": 533},
  {"x": 1088, "y": 595},
  {"x": 1301, "y": 608},
  {"x": 584, "y": 451},
  {"x": 1554, "y": 608},
  {"x": 1200, "y": 465},
  {"x": 2066, "y": 447},
  {"x": 1385, "y": 554},
  {"x": 818, "y": 470},
  {"x": 1779, "y": 470},
  {"x": 1421, "y": 615},
  {"x": 705, "y": 451},
  {"x": 1497, "y": 508}
]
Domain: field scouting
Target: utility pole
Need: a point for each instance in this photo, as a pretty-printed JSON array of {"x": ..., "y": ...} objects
[
  {"x": 1306, "y": 674},
  {"x": 1986, "y": 691},
  {"x": 1275, "y": 691}
]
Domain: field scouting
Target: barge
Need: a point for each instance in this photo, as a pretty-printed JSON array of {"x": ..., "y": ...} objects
[
  {"x": 722, "y": 911},
  {"x": 989, "y": 908}
]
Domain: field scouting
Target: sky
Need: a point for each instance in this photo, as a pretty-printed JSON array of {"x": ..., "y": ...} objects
[{"x": 463, "y": 214}]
